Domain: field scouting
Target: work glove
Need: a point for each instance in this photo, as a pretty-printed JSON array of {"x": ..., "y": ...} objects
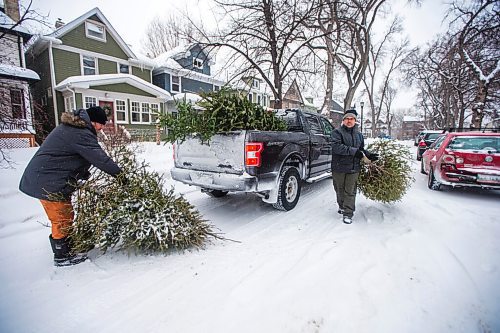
[
  {"x": 358, "y": 154},
  {"x": 372, "y": 156}
]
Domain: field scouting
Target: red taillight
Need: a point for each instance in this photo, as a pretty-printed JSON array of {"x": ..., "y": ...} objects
[
  {"x": 448, "y": 159},
  {"x": 422, "y": 144},
  {"x": 173, "y": 151},
  {"x": 252, "y": 154}
]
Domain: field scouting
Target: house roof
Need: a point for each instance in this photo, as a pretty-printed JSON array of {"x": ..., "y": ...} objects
[
  {"x": 18, "y": 72},
  {"x": 8, "y": 24},
  {"x": 87, "y": 81},
  {"x": 81, "y": 19},
  {"x": 179, "y": 52},
  {"x": 43, "y": 41}
]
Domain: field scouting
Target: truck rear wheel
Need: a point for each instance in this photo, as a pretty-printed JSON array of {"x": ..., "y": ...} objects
[
  {"x": 289, "y": 186},
  {"x": 215, "y": 193}
]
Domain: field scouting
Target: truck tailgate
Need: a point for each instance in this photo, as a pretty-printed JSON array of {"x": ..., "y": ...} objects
[{"x": 224, "y": 153}]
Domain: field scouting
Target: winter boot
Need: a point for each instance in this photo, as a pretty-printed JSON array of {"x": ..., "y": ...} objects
[
  {"x": 347, "y": 219},
  {"x": 62, "y": 253}
]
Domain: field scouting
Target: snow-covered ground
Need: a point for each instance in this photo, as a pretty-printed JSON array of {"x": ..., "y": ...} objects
[{"x": 430, "y": 263}]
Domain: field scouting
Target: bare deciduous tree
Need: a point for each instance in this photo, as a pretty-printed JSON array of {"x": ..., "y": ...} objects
[
  {"x": 268, "y": 38},
  {"x": 478, "y": 43},
  {"x": 164, "y": 35}
]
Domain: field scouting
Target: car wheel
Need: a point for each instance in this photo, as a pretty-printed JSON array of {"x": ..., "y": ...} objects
[
  {"x": 289, "y": 186},
  {"x": 422, "y": 168},
  {"x": 432, "y": 183},
  {"x": 216, "y": 193}
]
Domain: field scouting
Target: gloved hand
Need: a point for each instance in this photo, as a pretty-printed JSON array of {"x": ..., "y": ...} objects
[
  {"x": 358, "y": 154},
  {"x": 372, "y": 156},
  {"x": 86, "y": 175}
]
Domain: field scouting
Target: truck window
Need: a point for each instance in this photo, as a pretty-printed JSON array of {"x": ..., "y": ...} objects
[
  {"x": 327, "y": 127},
  {"x": 314, "y": 124},
  {"x": 291, "y": 119}
]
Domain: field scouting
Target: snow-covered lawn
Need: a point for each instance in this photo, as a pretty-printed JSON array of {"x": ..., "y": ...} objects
[{"x": 430, "y": 263}]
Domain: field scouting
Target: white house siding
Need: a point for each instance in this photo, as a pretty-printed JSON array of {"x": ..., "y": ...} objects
[{"x": 9, "y": 53}]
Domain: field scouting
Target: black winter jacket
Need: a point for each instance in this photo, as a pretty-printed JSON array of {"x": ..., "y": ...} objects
[
  {"x": 65, "y": 157},
  {"x": 345, "y": 142}
]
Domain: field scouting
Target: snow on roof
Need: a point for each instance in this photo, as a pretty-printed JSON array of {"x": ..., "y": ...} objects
[
  {"x": 411, "y": 118},
  {"x": 19, "y": 72},
  {"x": 7, "y": 23},
  {"x": 189, "y": 97},
  {"x": 86, "y": 81},
  {"x": 96, "y": 11}
]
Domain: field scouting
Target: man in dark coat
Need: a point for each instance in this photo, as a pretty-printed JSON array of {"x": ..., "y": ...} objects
[
  {"x": 348, "y": 148},
  {"x": 63, "y": 159}
]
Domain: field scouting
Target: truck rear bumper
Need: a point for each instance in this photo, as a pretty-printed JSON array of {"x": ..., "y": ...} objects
[{"x": 216, "y": 180}]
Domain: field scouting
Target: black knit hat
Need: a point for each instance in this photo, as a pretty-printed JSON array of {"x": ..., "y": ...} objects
[
  {"x": 97, "y": 115},
  {"x": 350, "y": 113}
]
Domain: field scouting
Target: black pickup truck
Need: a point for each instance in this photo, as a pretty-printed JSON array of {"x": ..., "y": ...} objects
[{"x": 271, "y": 164}]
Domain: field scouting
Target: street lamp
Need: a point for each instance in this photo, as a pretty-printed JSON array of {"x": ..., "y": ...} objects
[{"x": 362, "y": 104}]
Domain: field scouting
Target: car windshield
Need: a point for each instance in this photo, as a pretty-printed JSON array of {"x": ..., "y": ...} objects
[
  {"x": 432, "y": 136},
  {"x": 475, "y": 143}
]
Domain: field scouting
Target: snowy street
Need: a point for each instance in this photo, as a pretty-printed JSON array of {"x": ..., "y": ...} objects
[{"x": 430, "y": 263}]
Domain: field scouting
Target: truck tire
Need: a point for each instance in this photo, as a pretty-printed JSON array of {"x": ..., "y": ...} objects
[
  {"x": 215, "y": 193},
  {"x": 289, "y": 186}
]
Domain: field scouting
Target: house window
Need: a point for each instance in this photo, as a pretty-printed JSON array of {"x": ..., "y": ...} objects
[
  {"x": 89, "y": 65},
  {"x": 136, "y": 112},
  {"x": 145, "y": 113},
  {"x": 255, "y": 84},
  {"x": 90, "y": 102},
  {"x": 264, "y": 100},
  {"x": 197, "y": 63},
  {"x": 124, "y": 69},
  {"x": 69, "y": 104},
  {"x": 154, "y": 112},
  {"x": 249, "y": 96},
  {"x": 176, "y": 84},
  {"x": 216, "y": 88},
  {"x": 121, "y": 111},
  {"x": 95, "y": 30},
  {"x": 259, "y": 98},
  {"x": 17, "y": 104}
]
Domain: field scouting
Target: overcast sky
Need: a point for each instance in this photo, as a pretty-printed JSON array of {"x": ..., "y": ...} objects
[{"x": 130, "y": 18}]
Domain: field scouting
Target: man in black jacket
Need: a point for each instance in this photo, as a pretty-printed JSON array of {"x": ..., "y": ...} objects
[
  {"x": 52, "y": 174},
  {"x": 348, "y": 148}
]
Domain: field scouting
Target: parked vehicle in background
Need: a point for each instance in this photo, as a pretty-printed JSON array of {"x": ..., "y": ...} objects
[
  {"x": 271, "y": 164},
  {"x": 427, "y": 139},
  {"x": 465, "y": 159},
  {"x": 420, "y": 135}
]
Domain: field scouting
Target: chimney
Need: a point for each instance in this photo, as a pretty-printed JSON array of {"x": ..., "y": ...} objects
[
  {"x": 59, "y": 23},
  {"x": 12, "y": 9}
]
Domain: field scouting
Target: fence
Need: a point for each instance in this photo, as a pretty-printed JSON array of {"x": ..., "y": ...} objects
[{"x": 14, "y": 140}]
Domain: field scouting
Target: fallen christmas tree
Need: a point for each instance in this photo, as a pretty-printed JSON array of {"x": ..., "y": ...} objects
[
  {"x": 387, "y": 179},
  {"x": 223, "y": 111},
  {"x": 134, "y": 214}
]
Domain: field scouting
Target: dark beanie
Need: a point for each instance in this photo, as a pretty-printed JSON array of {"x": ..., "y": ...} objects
[
  {"x": 350, "y": 113},
  {"x": 97, "y": 115}
]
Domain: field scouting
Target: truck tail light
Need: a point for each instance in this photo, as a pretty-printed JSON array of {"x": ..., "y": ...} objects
[
  {"x": 252, "y": 154},
  {"x": 422, "y": 144}
]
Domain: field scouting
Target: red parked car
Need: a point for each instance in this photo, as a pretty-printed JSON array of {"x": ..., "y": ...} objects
[{"x": 464, "y": 159}]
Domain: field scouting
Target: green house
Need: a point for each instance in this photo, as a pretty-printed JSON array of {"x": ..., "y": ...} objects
[{"x": 85, "y": 63}]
